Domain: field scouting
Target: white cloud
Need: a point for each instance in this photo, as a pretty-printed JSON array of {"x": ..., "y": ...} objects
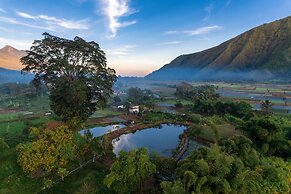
[
  {"x": 204, "y": 30},
  {"x": 52, "y": 22},
  {"x": 169, "y": 43},
  {"x": 173, "y": 32},
  {"x": 25, "y": 15},
  {"x": 2, "y": 10},
  {"x": 19, "y": 44},
  {"x": 16, "y": 22},
  {"x": 120, "y": 51},
  {"x": 198, "y": 31},
  {"x": 114, "y": 10}
]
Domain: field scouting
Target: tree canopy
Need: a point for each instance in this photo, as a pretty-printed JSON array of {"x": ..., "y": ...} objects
[
  {"x": 202, "y": 92},
  {"x": 77, "y": 65},
  {"x": 139, "y": 96},
  {"x": 128, "y": 172},
  {"x": 47, "y": 154}
]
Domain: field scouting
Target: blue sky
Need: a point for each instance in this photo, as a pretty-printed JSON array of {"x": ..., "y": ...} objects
[{"x": 138, "y": 36}]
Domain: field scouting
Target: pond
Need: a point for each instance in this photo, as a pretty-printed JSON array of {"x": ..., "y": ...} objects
[
  {"x": 101, "y": 130},
  {"x": 163, "y": 140}
]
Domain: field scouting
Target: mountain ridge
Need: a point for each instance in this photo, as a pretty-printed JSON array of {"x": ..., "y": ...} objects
[{"x": 265, "y": 49}]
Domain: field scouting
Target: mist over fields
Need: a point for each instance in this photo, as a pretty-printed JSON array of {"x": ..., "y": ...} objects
[{"x": 192, "y": 74}]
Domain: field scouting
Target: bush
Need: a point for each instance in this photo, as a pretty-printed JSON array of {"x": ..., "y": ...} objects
[
  {"x": 178, "y": 104},
  {"x": 194, "y": 118},
  {"x": 234, "y": 120}
]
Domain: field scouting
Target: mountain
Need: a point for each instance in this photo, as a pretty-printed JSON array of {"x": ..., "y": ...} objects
[
  {"x": 10, "y": 66},
  {"x": 261, "y": 53},
  {"x": 10, "y": 57},
  {"x": 11, "y": 76}
]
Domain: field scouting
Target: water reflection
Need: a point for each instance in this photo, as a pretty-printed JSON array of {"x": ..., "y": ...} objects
[
  {"x": 99, "y": 131},
  {"x": 163, "y": 139}
]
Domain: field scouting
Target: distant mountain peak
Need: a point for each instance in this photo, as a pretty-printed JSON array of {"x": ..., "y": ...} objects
[
  {"x": 10, "y": 57},
  {"x": 9, "y": 49}
]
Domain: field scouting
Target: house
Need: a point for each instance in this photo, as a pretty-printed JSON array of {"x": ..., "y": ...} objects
[
  {"x": 117, "y": 105},
  {"x": 28, "y": 113},
  {"x": 48, "y": 114},
  {"x": 134, "y": 109}
]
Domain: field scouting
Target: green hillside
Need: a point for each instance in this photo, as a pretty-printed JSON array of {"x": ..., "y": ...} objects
[{"x": 263, "y": 52}]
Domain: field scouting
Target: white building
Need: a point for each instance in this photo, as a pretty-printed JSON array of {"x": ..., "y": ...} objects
[{"x": 134, "y": 109}]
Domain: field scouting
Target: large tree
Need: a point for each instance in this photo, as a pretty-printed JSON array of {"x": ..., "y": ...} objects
[
  {"x": 75, "y": 72},
  {"x": 46, "y": 155}
]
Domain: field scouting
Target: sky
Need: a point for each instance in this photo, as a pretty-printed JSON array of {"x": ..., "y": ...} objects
[{"x": 138, "y": 36}]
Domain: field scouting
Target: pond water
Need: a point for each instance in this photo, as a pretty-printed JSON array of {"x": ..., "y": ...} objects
[
  {"x": 101, "y": 130},
  {"x": 163, "y": 140}
]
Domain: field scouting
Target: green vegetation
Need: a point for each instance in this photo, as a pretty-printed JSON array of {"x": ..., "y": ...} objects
[
  {"x": 209, "y": 107},
  {"x": 104, "y": 113},
  {"x": 188, "y": 92},
  {"x": 268, "y": 136},
  {"x": 241, "y": 150},
  {"x": 50, "y": 153},
  {"x": 128, "y": 172},
  {"x": 87, "y": 180},
  {"x": 76, "y": 73},
  {"x": 233, "y": 167},
  {"x": 266, "y": 107}
]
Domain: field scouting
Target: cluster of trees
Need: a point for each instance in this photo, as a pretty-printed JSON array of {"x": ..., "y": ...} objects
[
  {"x": 74, "y": 71},
  {"x": 50, "y": 152},
  {"x": 210, "y": 107},
  {"x": 14, "y": 89},
  {"x": 268, "y": 136},
  {"x": 233, "y": 167},
  {"x": 138, "y": 96},
  {"x": 129, "y": 171},
  {"x": 18, "y": 95},
  {"x": 188, "y": 92}
]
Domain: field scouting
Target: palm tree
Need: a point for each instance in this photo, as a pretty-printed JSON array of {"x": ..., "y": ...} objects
[{"x": 266, "y": 107}]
